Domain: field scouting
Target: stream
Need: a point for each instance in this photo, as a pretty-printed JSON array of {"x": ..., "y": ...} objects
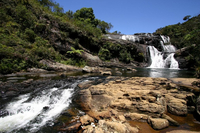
[{"x": 52, "y": 105}]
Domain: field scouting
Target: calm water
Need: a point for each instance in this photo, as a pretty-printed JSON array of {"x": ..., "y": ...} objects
[{"x": 155, "y": 73}]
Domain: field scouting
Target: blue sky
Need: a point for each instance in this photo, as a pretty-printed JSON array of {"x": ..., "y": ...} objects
[{"x": 136, "y": 16}]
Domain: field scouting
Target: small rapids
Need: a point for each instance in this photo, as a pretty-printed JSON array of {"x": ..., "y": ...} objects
[{"x": 30, "y": 112}]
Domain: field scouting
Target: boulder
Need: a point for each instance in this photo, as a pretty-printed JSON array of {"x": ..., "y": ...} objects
[
  {"x": 55, "y": 66},
  {"x": 91, "y": 69},
  {"x": 136, "y": 116},
  {"x": 12, "y": 93},
  {"x": 176, "y": 106},
  {"x": 84, "y": 85},
  {"x": 171, "y": 121},
  {"x": 106, "y": 73},
  {"x": 86, "y": 119},
  {"x": 36, "y": 70},
  {"x": 158, "y": 123},
  {"x": 198, "y": 108}
]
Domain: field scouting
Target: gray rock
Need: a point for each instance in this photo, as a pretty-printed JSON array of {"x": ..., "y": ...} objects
[{"x": 11, "y": 93}]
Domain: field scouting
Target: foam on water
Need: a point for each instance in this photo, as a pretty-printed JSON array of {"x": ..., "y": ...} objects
[{"x": 33, "y": 113}]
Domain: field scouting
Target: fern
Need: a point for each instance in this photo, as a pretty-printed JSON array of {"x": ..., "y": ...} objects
[{"x": 74, "y": 51}]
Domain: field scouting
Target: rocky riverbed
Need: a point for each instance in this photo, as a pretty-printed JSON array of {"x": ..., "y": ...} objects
[
  {"x": 111, "y": 105},
  {"x": 117, "y": 104}
]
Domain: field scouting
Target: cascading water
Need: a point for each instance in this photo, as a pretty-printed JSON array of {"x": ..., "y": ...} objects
[
  {"x": 164, "y": 59},
  {"x": 30, "y": 112},
  {"x": 132, "y": 38}
]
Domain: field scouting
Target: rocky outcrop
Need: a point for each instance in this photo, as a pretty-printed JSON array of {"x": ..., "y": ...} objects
[
  {"x": 101, "y": 70},
  {"x": 137, "y": 99},
  {"x": 55, "y": 66},
  {"x": 181, "y": 55}
]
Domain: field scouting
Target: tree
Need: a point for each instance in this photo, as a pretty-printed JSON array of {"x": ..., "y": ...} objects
[
  {"x": 105, "y": 27},
  {"x": 70, "y": 14},
  {"x": 57, "y": 9},
  {"x": 86, "y": 15},
  {"x": 187, "y": 17},
  {"x": 48, "y": 3}
]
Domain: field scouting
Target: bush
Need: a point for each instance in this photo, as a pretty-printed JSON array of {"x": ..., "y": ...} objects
[
  {"x": 124, "y": 56},
  {"x": 104, "y": 54},
  {"x": 74, "y": 62}
]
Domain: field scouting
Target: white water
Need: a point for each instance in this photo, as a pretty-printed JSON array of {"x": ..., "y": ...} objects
[
  {"x": 165, "y": 39},
  {"x": 158, "y": 61},
  {"x": 29, "y": 113},
  {"x": 157, "y": 57},
  {"x": 132, "y": 38}
]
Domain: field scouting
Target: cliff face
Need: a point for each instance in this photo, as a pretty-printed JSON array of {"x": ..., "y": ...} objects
[{"x": 155, "y": 48}]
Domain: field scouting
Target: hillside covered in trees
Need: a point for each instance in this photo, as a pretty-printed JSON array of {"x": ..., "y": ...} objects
[
  {"x": 183, "y": 35},
  {"x": 33, "y": 30}
]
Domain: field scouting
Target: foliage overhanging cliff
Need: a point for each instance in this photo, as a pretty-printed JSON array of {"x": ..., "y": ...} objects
[{"x": 186, "y": 34}]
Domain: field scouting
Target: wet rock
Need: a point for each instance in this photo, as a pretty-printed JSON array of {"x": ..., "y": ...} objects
[
  {"x": 45, "y": 108},
  {"x": 12, "y": 93},
  {"x": 171, "y": 121},
  {"x": 3, "y": 113},
  {"x": 36, "y": 70},
  {"x": 16, "y": 78},
  {"x": 48, "y": 75},
  {"x": 91, "y": 69},
  {"x": 131, "y": 69},
  {"x": 28, "y": 81},
  {"x": 72, "y": 127},
  {"x": 85, "y": 85},
  {"x": 158, "y": 123},
  {"x": 136, "y": 116},
  {"x": 118, "y": 73},
  {"x": 106, "y": 73},
  {"x": 86, "y": 119}
]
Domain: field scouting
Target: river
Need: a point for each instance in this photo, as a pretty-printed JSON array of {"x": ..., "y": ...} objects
[{"x": 52, "y": 106}]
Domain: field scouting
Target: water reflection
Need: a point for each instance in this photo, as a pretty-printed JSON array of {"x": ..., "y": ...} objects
[
  {"x": 167, "y": 73},
  {"x": 156, "y": 72}
]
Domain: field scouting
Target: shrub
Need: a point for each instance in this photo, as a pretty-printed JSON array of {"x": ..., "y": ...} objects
[{"x": 104, "y": 54}]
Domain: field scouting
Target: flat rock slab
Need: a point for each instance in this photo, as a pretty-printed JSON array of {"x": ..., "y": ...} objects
[
  {"x": 137, "y": 98},
  {"x": 185, "y": 81}
]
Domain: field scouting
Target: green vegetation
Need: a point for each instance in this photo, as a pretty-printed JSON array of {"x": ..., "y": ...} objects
[
  {"x": 125, "y": 53},
  {"x": 32, "y": 30},
  {"x": 186, "y": 35}
]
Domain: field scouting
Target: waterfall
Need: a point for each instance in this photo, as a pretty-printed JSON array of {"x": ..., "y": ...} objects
[
  {"x": 133, "y": 38},
  {"x": 164, "y": 59}
]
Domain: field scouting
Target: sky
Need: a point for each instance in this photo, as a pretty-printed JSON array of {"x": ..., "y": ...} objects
[{"x": 136, "y": 16}]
